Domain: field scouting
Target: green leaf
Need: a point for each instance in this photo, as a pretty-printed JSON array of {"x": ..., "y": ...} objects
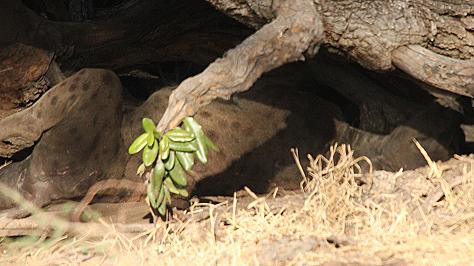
[
  {"x": 151, "y": 196},
  {"x": 210, "y": 144},
  {"x": 161, "y": 196},
  {"x": 148, "y": 125},
  {"x": 178, "y": 175},
  {"x": 167, "y": 196},
  {"x": 191, "y": 125},
  {"x": 149, "y": 154},
  {"x": 186, "y": 159},
  {"x": 183, "y": 146},
  {"x": 164, "y": 148},
  {"x": 150, "y": 139},
  {"x": 169, "y": 164},
  {"x": 170, "y": 186},
  {"x": 162, "y": 208},
  {"x": 180, "y": 135},
  {"x": 201, "y": 153},
  {"x": 138, "y": 144},
  {"x": 174, "y": 189},
  {"x": 157, "y": 135},
  {"x": 158, "y": 174},
  {"x": 183, "y": 192}
]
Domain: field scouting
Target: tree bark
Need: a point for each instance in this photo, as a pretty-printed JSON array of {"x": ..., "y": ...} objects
[
  {"x": 368, "y": 31},
  {"x": 379, "y": 35},
  {"x": 456, "y": 76},
  {"x": 140, "y": 33},
  {"x": 374, "y": 33},
  {"x": 123, "y": 38},
  {"x": 296, "y": 29}
]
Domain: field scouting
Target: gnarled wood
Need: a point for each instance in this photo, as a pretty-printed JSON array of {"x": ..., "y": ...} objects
[
  {"x": 296, "y": 29},
  {"x": 22, "y": 69},
  {"x": 147, "y": 35},
  {"x": 371, "y": 41},
  {"x": 149, "y": 31},
  {"x": 454, "y": 75}
]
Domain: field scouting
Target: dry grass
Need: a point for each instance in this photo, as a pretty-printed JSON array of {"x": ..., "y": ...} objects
[{"x": 342, "y": 215}]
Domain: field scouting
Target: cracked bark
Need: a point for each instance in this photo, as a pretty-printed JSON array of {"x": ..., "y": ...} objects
[
  {"x": 456, "y": 76},
  {"x": 379, "y": 35},
  {"x": 139, "y": 33}
]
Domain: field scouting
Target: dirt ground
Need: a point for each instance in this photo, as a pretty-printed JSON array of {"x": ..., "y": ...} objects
[{"x": 340, "y": 216}]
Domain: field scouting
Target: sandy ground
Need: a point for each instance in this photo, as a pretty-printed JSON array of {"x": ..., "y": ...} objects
[{"x": 340, "y": 216}]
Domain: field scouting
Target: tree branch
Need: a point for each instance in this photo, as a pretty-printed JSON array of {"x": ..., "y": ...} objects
[
  {"x": 453, "y": 75},
  {"x": 296, "y": 29}
]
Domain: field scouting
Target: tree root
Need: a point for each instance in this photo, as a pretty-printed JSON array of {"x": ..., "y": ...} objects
[
  {"x": 297, "y": 29},
  {"x": 453, "y": 75}
]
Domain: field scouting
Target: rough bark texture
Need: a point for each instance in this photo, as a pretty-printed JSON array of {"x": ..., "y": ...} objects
[
  {"x": 366, "y": 31},
  {"x": 296, "y": 30},
  {"x": 369, "y": 31},
  {"x": 22, "y": 76},
  {"x": 130, "y": 35},
  {"x": 456, "y": 76},
  {"x": 123, "y": 38}
]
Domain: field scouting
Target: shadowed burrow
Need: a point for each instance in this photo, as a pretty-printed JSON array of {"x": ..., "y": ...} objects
[{"x": 318, "y": 116}]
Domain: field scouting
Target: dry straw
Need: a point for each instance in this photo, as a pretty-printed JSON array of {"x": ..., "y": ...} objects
[{"x": 342, "y": 215}]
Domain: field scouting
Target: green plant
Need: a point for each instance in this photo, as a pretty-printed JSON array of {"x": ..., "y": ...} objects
[{"x": 169, "y": 157}]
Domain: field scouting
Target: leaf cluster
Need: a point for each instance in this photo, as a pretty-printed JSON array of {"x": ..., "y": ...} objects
[{"x": 170, "y": 157}]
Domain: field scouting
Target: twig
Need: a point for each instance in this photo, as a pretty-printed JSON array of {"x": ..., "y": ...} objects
[
  {"x": 296, "y": 157},
  {"x": 45, "y": 221},
  {"x": 436, "y": 195},
  {"x": 433, "y": 166},
  {"x": 136, "y": 187},
  {"x": 6, "y": 69}
]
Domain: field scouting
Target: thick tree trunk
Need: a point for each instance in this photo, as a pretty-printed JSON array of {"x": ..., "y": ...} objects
[{"x": 369, "y": 31}]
